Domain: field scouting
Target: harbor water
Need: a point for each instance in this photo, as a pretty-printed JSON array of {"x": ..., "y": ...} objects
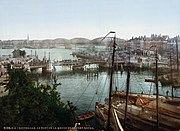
[{"x": 84, "y": 91}]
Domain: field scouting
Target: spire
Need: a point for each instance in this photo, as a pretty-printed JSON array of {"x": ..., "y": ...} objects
[{"x": 27, "y": 39}]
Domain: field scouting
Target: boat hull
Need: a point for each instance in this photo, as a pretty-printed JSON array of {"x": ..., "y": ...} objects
[{"x": 138, "y": 118}]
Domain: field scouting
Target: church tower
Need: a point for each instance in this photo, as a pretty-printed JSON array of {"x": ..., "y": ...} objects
[{"x": 27, "y": 41}]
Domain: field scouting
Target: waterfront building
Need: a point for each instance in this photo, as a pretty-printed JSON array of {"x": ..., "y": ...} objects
[
  {"x": 171, "y": 43},
  {"x": 140, "y": 45},
  {"x": 153, "y": 45},
  {"x": 7, "y": 44},
  {"x": 136, "y": 45}
]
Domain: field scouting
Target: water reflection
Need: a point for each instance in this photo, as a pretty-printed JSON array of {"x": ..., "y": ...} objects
[{"x": 84, "y": 92}]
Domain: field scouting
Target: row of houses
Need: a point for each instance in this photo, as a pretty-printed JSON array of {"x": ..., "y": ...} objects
[
  {"x": 140, "y": 45},
  {"x": 10, "y": 44}
]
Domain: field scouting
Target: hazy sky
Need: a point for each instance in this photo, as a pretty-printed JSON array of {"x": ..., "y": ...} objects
[{"x": 43, "y": 19}]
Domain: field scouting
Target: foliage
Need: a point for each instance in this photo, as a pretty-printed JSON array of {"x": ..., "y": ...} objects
[
  {"x": 19, "y": 53},
  {"x": 31, "y": 105},
  {"x": 22, "y": 53}
]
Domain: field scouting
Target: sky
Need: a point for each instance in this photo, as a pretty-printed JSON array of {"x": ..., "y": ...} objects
[{"x": 50, "y": 19}]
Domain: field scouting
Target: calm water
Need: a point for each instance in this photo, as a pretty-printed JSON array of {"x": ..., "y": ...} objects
[{"x": 83, "y": 91}]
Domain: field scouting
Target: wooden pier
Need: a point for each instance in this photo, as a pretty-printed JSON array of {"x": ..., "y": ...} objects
[{"x": 92, "y": 72}]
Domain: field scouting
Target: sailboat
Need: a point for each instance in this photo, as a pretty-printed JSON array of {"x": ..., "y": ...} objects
[{"x": 136, "y": 113}]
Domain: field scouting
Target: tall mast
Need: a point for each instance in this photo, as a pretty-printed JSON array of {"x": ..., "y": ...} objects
[
  {"x": 171, "y": 68},
  {"x": 127, "y": 90},
  {"x": 110, "y": 88},
  {"x": 127, "y": 93},
  {"x": 112, "y": 70},
  {"x": 157, "y": 90}
]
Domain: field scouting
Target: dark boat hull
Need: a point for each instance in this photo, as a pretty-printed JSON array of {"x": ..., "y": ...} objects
[{"x": 137, "y": 119}]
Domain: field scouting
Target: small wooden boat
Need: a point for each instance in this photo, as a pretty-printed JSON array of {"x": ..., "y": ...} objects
[{"x": 85, "y": 116}]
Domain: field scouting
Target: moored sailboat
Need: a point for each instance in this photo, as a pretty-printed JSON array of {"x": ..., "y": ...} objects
[
  {"x": 134, "y": 112},
  {"x": 140, "y": 116}
]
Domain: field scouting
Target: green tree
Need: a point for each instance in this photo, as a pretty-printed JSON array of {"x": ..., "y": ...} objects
[
  {"x": 30, "y": 104},
  {"x": 22, "y": 53}
]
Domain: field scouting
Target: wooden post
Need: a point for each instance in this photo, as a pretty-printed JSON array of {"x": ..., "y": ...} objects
[{"x": 127, "y": 92}]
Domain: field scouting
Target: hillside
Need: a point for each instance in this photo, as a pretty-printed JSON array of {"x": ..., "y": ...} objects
[
  {"x": 108, "y": 41},
  {"x": 51, "y": 43},
  {"x": 61, "y": 41},
  {"x": 80, "y": 41}
]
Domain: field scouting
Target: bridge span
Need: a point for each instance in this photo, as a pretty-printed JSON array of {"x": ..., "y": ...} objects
[{"x": 70, "y": 63}]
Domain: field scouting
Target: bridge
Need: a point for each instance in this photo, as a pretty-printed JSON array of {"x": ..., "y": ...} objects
[
  {"x": 82, "y": 62},
  {"x": 38, "y": 66},
  {"x": 70, "y": 63},
  {"x": 31, "y": 65}
]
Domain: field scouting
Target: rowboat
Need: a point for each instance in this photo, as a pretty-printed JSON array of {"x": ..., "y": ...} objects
[{"x": 85, "y": 116}]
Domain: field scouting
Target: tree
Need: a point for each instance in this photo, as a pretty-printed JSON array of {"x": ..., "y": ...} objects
[
  {"x": 19, "y": 53},
  {"x": 32, "y": 105},
  {"x": 22, "y": 53}
]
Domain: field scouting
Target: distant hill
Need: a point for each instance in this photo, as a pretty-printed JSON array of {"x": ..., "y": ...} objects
[
  {"x": 84, "y": 41},
  {"x": 61, "y": 41},
  {"x": 47, "y": 43},
  {"x": 97, "y": 41},
  {"x": 80, "y": 41},
  {"x": 108, "y": 41}
]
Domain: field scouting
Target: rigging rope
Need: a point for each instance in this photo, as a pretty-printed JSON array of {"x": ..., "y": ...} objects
[
  {"x": 102, "y": 90},
  {"x": 123, "y": 85},
  {"x": 150, "y": 87},
  {"x": 139, "y": 83},
  {"x": 91, "y": 102},
  {"x": 72, "y": 92},
  {"x": 117, "y": 81},
  {"x": 83, "y": 92},
  {"x": 98, "y": 86}
]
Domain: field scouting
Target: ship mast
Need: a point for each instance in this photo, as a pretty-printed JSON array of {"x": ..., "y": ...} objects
[
  {"x": 171, "y": 67},
  {"x": 127, "y": 93},
  {"x": 156, "y": 84},
  {"x": 127, "y": 90},
  {"x": 112, "y": 70}
]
